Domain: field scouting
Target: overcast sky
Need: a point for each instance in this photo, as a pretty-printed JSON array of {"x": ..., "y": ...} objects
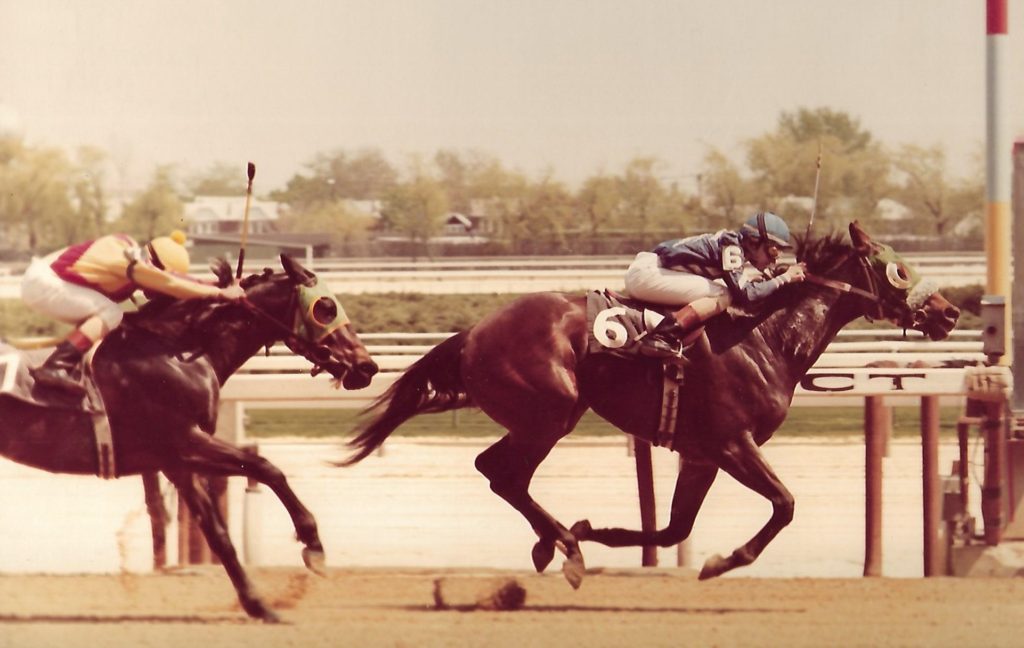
[{"x": 575, "y": 86}]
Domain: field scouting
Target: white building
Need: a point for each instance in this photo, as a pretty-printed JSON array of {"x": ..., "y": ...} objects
[{"x": 225, "y": 215}]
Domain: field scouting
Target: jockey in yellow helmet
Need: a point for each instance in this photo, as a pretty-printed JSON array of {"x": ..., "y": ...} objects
[{"x": 84, "y": 284}]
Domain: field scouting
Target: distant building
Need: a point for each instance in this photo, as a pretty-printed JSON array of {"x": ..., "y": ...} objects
[{"x": 208, "y": 215}]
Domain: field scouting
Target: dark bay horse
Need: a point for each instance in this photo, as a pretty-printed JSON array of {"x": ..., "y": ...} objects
[
  {"x": 527, "y": 366},
  {"x": 160, "y": 374}
]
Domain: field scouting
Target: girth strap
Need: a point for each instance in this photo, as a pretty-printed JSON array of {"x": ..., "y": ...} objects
[{"x": 672, "y": 378}]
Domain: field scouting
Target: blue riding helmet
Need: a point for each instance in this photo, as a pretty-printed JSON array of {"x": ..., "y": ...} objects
[{"x": 766, "y": 225}]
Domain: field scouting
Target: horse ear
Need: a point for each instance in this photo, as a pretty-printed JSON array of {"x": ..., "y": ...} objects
[
  {"x": 861, "y": 241},
  {"x": 297, "y": 272}
]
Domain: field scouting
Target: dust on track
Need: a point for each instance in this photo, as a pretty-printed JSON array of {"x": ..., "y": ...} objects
[{"x": 397, "y": 607}]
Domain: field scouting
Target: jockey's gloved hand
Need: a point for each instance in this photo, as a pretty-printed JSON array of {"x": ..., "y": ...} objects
[
  {"x": 795, "y": 272},
  {"x": 234, "y": 292}
]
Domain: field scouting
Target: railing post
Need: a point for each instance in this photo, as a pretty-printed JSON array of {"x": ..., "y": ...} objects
[
  {"x": 645, "y": 487},
  {"x": 876, "y": 429},
  {"x": 993, "y": 500},
  {"x": 930, "y": 487}
]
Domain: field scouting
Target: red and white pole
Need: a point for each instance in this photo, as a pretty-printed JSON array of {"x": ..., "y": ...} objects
[{"x": 997, "y": 172}]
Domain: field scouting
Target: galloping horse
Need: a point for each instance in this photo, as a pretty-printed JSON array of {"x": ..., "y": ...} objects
[
  {"x": 528, "y": 367},
  {"x": 159, "y": 375}
]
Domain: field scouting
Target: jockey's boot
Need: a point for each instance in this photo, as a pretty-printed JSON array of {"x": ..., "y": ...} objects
[
  {"x": 673, "y": 334},
  {"x": 57, "y": 371}
]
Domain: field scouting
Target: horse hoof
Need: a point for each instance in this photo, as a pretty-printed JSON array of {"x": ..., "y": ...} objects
[
  {"x": 713, "y": 566},
  {"x": 581, "y": 530},
  {"x": 315, "y": 561},
  {"x": 574, "y": 570},
  {"x": 543, "y": 553}
]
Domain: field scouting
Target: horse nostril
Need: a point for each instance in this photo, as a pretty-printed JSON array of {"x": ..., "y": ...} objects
[
  {"x": 920, "y": 316},
  {"x": 367, "y": 368},
  {"x": 952, "y": 312}
]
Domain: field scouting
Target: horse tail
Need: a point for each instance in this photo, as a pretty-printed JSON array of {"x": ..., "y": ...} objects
[{"x": 431, "y": 384}]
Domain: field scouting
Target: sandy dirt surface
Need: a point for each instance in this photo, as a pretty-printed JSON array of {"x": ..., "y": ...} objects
[{"x": 397, "y": 607}]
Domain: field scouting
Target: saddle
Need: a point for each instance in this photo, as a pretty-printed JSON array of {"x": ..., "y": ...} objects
[
  {"x": 16, "y": 382},
  {"x": 617, "y": 322}
]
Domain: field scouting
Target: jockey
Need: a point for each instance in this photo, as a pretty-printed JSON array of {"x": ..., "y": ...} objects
[
  {"x": 84, "y": 283},
  {"x": 683, "y": 272}
]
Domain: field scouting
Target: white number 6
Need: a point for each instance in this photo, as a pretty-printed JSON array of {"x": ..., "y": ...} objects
[
  {"x": 732, "y": 258},
  {"x": 609, "y": 332}
]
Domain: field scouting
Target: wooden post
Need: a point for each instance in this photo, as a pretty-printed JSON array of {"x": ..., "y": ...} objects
[
  {"x": 993, "y": 501},
  {"x": 876, "y": 430},
  {"x": 931, "y": 489},
  {"x": 684, "y": 550},
  {"x": 158, "y": 518},
  {"x": 645, "y": 487}
]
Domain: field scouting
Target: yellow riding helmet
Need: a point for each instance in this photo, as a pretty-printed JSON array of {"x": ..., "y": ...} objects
[{"x": 169, "y": 253}]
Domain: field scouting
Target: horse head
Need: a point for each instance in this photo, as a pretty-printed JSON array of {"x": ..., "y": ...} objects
[
  {"x": 312, "y": 322},
  {"x": 890, "y": 287}
]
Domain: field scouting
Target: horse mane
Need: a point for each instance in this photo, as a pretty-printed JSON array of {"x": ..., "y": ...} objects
[{"x": 186, "y": 321}]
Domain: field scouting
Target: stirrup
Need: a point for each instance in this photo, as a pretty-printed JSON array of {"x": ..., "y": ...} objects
[
  {"x": 656, "y": 346},
  {"x": 57, "y": 379}
]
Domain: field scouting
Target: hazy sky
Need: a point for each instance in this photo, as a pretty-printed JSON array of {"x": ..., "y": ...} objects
[{"x": 574, "y": 86}]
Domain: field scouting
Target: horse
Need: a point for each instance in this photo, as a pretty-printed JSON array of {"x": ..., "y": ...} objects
[
  {"x": 159, "y": 376},
  {"x": 528, "y": 367}
]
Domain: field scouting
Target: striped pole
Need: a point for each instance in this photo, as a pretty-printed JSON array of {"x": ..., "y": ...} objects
[{"x": 997, "y": 172}]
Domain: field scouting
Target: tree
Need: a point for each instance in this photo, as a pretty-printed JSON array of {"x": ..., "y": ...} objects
[
  {"x": 417, "y": 208},
  {"x": 366, "y": 175},
  {"x": 724, "y": 193},
  {"x": 220, "y": 179},
  {"x": 937, "y": 201},
  {"x": 156, "y": 211},
  {"x": 598, "y": 204},
  {"x": 348, "y": 228},
  {"x": 35, "y": 199},
  {"x": 855, "y": 171}
]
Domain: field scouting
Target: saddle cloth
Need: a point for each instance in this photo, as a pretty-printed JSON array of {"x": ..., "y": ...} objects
[
  {"x": 16, "y": 382},
  {"x": 617, "y": 323}
]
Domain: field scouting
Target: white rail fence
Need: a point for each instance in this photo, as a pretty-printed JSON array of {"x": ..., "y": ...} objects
[
  {"x": 859, "y": 363},
  {"x": 522, "y": 275}
]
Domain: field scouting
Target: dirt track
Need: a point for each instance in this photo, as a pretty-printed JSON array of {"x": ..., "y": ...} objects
[{"x": 617, "y": 608}]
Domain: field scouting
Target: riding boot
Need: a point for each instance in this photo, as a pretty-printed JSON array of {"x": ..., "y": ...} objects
[
  {"x": 673, "y": 334},
  {"x": 57, "y": 371}
]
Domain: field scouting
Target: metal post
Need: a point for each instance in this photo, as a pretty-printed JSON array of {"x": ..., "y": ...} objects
[
  {"x": 931, "y": 487},
  {"x": 645, "y": 487},
  {"x": 997, "y": 145},
  {"x": 876, "y": 425}
]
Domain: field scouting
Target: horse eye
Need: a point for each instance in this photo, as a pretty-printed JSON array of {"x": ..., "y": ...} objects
[
  {"x": 898, "y": 275},
  {"x": 324, "y": 311}
]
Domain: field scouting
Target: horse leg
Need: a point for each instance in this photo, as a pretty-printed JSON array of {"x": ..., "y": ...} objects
[
  {"x": 509, "y": 469},
  {"x": 207, "y": 454},
  {"x": 216, "y": 534},
  {"x": 743, "y": 460},
  {"x": 692, "y": 485}
]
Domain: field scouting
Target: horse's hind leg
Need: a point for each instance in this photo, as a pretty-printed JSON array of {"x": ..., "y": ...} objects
[
  {"x": 742, "y": 459},
  {"x": 216, "y": 534},
  {"x": 206, "y": 454},
  {"x": 509, "y": 469},
  {"x": 692, "y": 484}
]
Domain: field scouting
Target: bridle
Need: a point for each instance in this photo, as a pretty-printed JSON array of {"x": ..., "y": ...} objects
[
  {"x": 872, "y": 294},
  {"x": 318, "y": 354}
]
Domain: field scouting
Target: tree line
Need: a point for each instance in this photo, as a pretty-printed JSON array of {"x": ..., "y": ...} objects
[{"x": 50, "y": 198}]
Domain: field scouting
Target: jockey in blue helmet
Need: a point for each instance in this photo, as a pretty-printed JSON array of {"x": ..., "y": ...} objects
[{"x": 706, "y": 273}]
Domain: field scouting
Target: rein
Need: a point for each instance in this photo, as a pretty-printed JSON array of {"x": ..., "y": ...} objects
[
  {"x": 871, "y": 295},
  {"x": 313, "y": 352}
]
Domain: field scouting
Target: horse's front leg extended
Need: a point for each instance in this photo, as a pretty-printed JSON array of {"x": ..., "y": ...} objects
[
  {"x": 743, "y": 460},
  {"x": 692, "y": 484},
  {"x": 216, "y": 534},
  {"x": 207, "y": 454}
]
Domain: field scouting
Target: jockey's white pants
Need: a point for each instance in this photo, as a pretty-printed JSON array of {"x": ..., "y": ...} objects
[
  {"x": 50, "y": 295},
  {"x": 647, "y": 280}
]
